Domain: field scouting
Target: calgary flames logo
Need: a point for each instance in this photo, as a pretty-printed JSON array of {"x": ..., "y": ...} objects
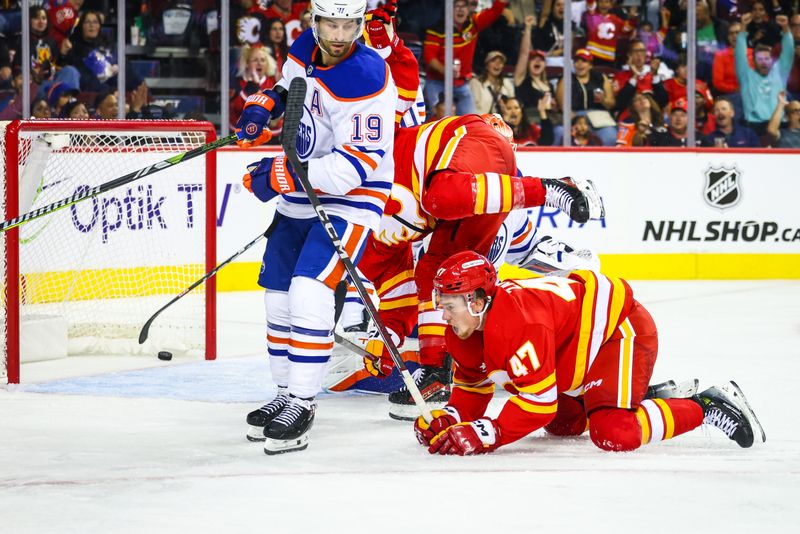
[{"x": 403, "y": 219}]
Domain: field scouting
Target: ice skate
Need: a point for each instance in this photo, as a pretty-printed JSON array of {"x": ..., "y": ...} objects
[
  {"x": 289, "y": 430},
  {"x": 260, "y": 418},
  {"x": 726, "y": 408},
  {"x": 671, "y": 390},
  {"x": 575, "y": 197},
  {"x": 433, "y": 382}
]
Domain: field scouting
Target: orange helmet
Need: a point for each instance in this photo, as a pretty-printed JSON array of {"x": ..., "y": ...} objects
[{"x": 496, "y": 121}]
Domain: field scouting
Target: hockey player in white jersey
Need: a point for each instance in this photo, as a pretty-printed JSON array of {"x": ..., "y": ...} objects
[{"x": 346, "y": 139}]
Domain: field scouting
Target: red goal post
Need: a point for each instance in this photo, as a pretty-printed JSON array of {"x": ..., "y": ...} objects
[{"x": 95, "y": 271}]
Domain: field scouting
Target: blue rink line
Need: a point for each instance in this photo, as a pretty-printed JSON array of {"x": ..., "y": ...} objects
[{"x": 244, "y": 379}]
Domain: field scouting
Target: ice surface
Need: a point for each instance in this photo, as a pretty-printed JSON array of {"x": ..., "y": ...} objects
[{"x": 101, "y": 444}]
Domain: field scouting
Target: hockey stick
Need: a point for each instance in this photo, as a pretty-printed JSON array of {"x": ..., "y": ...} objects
[
  {"x": 117, "y": 182},
  {"x": 291, "y": 123},
  {"x": 146, "y": 328}
]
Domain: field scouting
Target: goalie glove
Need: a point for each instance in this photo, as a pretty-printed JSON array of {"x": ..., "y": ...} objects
[
  {"x": 381, "y": 364},
  {"x": 271, "y": 177},
  {"x": 442, "y": 420},
  {"x": 478, "y": 437}
]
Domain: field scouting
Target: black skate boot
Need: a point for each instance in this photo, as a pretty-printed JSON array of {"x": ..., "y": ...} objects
[
  {"x": 434, "y": 384},
  {"x": 289, "y": 430},
  {"x": 563, "y": 194},
  {"x": 670, "y": 390},
  {"x": 726, "y": 408},
  {"x": 260, "y": 418}
]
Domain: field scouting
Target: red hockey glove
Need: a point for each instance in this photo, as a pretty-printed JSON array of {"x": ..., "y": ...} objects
[
  {"x": 464, "y": 439},
  {"x": 382, "y": 364},
  {"x": 442, "y": 420},
  {"x": 377, "y": 35}
]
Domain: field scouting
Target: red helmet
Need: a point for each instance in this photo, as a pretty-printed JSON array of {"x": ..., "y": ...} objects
[
  {"x": 465, "y": 272},
  {"x": 496, "y": 121}
]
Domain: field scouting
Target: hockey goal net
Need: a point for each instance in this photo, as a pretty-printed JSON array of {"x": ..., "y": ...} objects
[{"x": 84, "y": 279}]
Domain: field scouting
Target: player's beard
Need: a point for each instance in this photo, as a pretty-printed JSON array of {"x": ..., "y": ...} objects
[{"x": 335, "y": 49}]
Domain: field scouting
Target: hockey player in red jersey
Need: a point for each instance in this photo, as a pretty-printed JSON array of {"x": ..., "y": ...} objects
[
  {"x": 455, "y": 180},
  {"x": 573, "y": 352}
]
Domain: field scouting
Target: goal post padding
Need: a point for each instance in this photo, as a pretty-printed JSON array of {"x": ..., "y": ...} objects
[{"x": 103, "y": 266}]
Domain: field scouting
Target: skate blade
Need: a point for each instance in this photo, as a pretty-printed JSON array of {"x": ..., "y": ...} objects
[
  {"x": 736, "y": 392},
  {"x": 281, "y": 446},
  {"x": 410, "y": 412},
  {"x": 687, "y": 388},
  {"x": 255, "y": 434}
]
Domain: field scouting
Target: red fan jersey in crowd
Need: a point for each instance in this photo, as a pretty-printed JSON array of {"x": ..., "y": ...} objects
[
  {"x": 603, "y": 33},
  {"x": 676, "y": 90},
  {"x": 464, "y": 41}
]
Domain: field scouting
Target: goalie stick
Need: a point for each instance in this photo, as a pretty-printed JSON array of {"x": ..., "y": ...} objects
[
  {"x": 117, "y": 182},
  {"x": 146, "y": 328},
  {"x": 291, "y": 123}
]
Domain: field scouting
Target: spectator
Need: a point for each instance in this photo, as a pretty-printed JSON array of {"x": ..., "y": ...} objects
[
  {"x": 40, "y": 109},
  {"x": 47, "y": 57},
  {"x": 10, "y": 18},
  {"x": 278, "y": 47},
  {"x": 654, "y": 41},
  {"x": 257, "y": 71},
  {"x": 592, "y": 95},
  {"x": 534, "y": 85},
  {"x": 760, "y": 30},
  {"x": 13, "y": 109},
  {"x": 248, "y": 27},
  {"x": 140, "y": 107},
  {"x": 675, "y": 87},
  {"x": 439, "y": 111},
  {"x": 636, "y": 77},
  {"x": 788, "y": 137},
  {"x": 91, "y": 54},
  {"x": 727, "y": 132},
  {"x": 106, "y": 106},
  {"x": 59, "y": 94},
  {"x": 549, "y": 36},
  {"x": 604, "y": 29},
  {"x": 793, "y": 84},
  {"x": 582, "y": 133},
  {"x": 723, "y": 71},
  {"x": 502, "y": 35},
  {"x": 74, "y": 109},
  {"x": 465, "y": 32},
  {"x": 644, "y": 117},
  {"x": 62, "y": 18},
  {"x": 488, "y": 87},
  {"x": 676, "y": 134},
  {"x": 711, "y": 37},
  {"x": 288, "y": 12},
  {"x": 525, "y": 133},
  {"x": 704, "y": 121},
  {"x": 760, "y": 87}
]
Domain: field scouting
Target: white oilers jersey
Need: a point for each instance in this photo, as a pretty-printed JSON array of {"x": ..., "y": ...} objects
[
  {"x": 515, "y": 239},
  {"x": 346, "y": 134}
]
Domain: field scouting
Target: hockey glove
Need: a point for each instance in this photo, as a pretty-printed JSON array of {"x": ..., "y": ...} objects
[
  {"x": 382, "y": 364},
  {"x": 464, "y": 439},
  {"x": 253, "y": 126},
  {"x": 442, "y": 420},
  {"x": 271, "y": 177}
]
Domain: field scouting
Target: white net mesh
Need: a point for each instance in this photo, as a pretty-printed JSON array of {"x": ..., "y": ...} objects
[{"x": 105, "y": 265}]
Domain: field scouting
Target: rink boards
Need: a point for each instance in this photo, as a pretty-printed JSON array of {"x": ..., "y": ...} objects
[{"x": 670, "y": 214}]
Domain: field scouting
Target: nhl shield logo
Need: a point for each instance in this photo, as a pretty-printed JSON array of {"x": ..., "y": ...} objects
[{"x": 722, "y": 187}]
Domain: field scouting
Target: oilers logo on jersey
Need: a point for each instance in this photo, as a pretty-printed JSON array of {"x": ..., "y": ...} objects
[{"x": 306, "y": 135}]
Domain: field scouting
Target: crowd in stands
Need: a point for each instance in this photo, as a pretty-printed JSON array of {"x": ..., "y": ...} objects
[{"x": 629, "y": 74}]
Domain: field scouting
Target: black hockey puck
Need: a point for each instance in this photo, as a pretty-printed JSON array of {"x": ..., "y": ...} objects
[{"x": 165, "y": 355}]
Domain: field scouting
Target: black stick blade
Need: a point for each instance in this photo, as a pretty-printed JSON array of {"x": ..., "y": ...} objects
[{"x": 293, "y": 113}]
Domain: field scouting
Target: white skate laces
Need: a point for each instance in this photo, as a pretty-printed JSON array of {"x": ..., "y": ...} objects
[
  {"x": 293, "y": 410},
  {"x": 715, "y": 417}
]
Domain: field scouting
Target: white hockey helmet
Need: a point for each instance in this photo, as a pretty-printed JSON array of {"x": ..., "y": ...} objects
[{"x": 338, "y": 9}]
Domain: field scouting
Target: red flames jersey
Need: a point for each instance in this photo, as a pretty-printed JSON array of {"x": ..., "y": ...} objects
[
  {"x": 540, "y": 339},
  {"x": 458, "y": 144}
]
